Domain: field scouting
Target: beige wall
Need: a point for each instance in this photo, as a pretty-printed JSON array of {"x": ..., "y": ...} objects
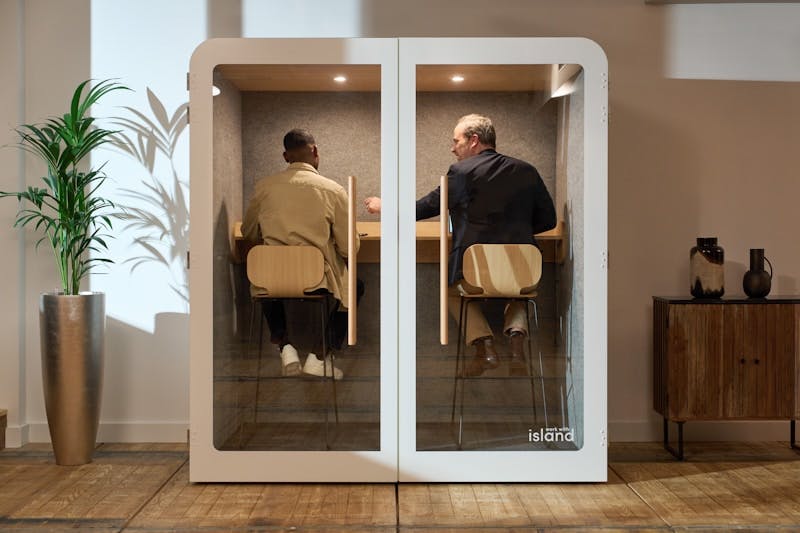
[
  {"x": 686, "y": 158},
  {"x": 48, "y": 59},
  {"x": 12, "y": 367}
]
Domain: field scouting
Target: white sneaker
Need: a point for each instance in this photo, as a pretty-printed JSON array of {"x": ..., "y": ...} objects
[
  {"x": 290, "y": 363},
  {"x": 315, "y": 367}
]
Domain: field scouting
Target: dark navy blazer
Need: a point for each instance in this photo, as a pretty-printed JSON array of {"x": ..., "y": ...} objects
[{"x": 493, "y": 198}]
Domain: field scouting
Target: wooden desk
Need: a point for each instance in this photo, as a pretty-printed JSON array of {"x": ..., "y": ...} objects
[{"x": 551, "y": 242}]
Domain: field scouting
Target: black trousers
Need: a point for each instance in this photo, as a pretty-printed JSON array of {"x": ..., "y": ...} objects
[{"x": 275, "y": 313}]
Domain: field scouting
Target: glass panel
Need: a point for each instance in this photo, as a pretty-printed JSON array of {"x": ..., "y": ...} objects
[
  {"x": 259, "y": 404},
  {"x": 531, "y": 402}
]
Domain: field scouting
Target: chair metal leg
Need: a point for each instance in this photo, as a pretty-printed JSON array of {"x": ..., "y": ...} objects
[
  {"x": 530, "y": 365},
  {"x": 463, "y": 378},
  {"x": 258, "y": 367},
  {"x": 541, "y": 364},
  {"x": 458, "y": 359},
  {"x": 247, "y": 348},
  {"x": 326, "y": 329},
  {"x": 323, "y": 320},
  {"x": 460, "y": 366},
  {"x": 333, "y": 374},
  {"x": 334, "y": 402}
]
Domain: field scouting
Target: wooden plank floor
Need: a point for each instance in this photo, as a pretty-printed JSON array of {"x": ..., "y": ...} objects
[{"x": 145, "y": 487}]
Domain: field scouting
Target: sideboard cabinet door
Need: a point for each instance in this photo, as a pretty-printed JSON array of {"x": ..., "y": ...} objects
[
  {"x": 726, "y": 360},
  {"x": 759, "y": 360},
  {"x": 694, "y": 362}
]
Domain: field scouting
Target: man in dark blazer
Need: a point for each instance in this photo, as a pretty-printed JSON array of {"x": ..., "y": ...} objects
[{"x": 493, "y": 198}]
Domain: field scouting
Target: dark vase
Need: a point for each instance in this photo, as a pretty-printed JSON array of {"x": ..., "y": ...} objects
[
  {"x": 757, "y": 282},
  {"x": 706, "y": 269}
]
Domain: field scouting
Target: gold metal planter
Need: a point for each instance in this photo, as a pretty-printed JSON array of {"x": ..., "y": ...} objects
[{"x": 73, "y": 338}]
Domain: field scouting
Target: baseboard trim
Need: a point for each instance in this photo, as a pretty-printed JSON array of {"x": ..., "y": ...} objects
[
  {"x": 726, "y": 430},
  {"x": 17, "y": 436},
  {"x": 122, "y": 432}
]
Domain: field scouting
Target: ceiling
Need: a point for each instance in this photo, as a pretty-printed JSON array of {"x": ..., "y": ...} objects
[{"x": 435, "y": 78}]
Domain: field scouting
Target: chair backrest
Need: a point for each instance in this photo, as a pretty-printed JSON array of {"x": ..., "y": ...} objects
[
  {"x": 503, "y": 269},
  {"x": 285, "y": 271}
]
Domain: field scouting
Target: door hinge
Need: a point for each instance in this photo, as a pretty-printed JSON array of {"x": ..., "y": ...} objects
[
  {"x": 188, "y": 260},
  {"x": 603, "y": 438},
  {"x": 188, "y": 84}
]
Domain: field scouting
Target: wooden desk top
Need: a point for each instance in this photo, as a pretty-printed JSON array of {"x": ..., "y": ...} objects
[
  {"x": 551, "y": 242},
  {"x": 426, "y": 231}
]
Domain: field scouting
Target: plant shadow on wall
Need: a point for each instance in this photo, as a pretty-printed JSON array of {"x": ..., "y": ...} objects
[{"x": 157, "y": 212}]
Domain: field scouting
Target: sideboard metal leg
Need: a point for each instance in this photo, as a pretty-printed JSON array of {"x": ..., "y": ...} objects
[
  {"x": 678, "y": 454},
  {"x": 792, "y": 433}
]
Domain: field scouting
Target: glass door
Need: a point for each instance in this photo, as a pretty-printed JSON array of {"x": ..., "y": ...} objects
[
  {"x": 498, "y": 409},
  {"x": 263, "y": 404}
]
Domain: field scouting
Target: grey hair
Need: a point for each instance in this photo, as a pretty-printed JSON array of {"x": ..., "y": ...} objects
[{"x": 481, "y": 126}]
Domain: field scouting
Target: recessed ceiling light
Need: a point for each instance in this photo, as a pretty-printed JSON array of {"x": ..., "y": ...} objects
[
  {"x": 458, "y": 78},
  {"x": 340, "y": 79},
  {"x": 214, "y": 90}
]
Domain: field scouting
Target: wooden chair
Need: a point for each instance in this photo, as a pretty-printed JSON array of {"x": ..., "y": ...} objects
[
  {"x": 506, "y": 272},
  {"x": 287, "y": 273}
]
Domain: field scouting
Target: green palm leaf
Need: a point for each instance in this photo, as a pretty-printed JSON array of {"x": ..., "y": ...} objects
[{"x": 67, "y": 210}]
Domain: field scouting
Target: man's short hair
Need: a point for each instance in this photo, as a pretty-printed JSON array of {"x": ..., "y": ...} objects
[
  {"x": 481, "y": 126},
  {"x": 297, "y": 138}
]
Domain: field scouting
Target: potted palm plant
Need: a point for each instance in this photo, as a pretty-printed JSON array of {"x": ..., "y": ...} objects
[{"x": 73, "y": 221}]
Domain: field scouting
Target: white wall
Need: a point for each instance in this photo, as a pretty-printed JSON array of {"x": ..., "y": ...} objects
[
  {"x": 734, "y": 42},
  {"x": 147, "y": 371},
  {"x": 687, "y": 157}
]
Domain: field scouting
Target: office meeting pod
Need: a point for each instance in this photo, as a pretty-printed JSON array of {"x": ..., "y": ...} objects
[{"x": 382, "y": 113}]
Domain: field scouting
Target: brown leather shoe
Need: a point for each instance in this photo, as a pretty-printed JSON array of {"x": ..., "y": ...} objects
[
  {"x": 485, "y": 358},
  {"x": 517, "y": 366}
]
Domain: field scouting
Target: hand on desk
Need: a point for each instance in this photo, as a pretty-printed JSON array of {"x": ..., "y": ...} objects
[{"x": 373, "y": 204}]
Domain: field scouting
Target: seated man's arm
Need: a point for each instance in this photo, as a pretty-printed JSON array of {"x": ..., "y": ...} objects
[
  {"x": 428, "y": 205},
  {"x": 339, "y": 226},
  {"x": 373, "y": 204},
  {"x": 544, "y": 213},
  {"x": 250, "y": 229}
]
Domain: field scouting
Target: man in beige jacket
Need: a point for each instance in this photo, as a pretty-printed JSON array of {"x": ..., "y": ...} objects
[{"x": 301, "y": 207}]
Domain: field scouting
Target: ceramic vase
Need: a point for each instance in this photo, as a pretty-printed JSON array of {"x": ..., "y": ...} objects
[
  {"x": 757, "y": 282},
  {"x": 706, "y": 269}
]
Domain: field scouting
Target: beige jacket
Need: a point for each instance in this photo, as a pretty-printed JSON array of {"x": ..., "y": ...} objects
[{"x": 300, "y": 207}]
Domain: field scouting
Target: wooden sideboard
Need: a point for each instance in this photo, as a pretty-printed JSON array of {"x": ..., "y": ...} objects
[{"x": 725, "y": 359}]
